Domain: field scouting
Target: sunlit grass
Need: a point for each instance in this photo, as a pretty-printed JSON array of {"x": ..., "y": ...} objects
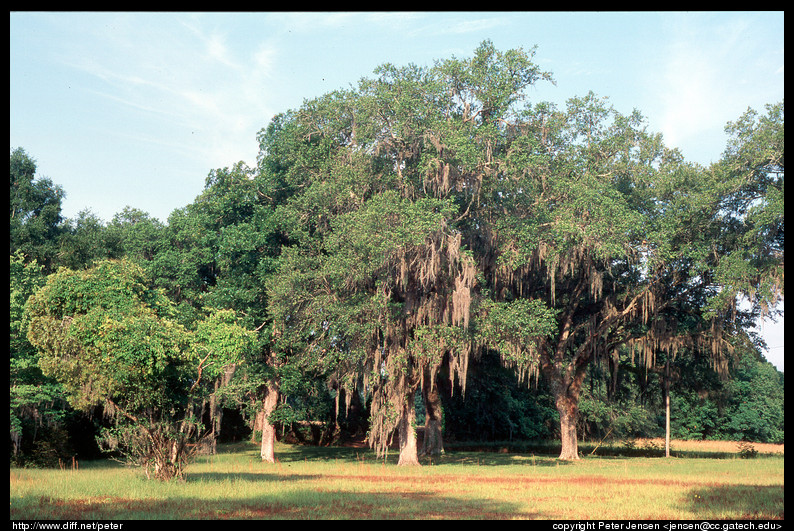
[
  {"x": 348, "y": 483},
  {"x": 709, "y": 446}
]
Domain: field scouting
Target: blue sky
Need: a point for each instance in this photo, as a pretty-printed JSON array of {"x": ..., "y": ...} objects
[{"x": 136, "y": 108}]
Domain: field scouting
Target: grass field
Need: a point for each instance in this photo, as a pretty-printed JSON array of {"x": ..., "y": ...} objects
[{"x": 349, "y": 483}]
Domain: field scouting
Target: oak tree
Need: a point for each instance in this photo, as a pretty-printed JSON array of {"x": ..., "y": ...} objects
[{"x": 378, "y": 282}]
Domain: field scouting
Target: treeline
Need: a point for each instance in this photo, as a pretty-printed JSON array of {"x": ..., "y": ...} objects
[{"x": 426, "y": 252}]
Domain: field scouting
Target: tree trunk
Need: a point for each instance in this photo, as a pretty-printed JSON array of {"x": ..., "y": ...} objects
[
  {"x": 215, "y": 417},
  {"x": 268, "y": 430},
  {"x": 566, "y": 386},
  {"x": 667, "y": 409},
  {"x": 407, "y": 433},
  {"x": 354, "y": 419},
  {"x": 433, "y": 442},
  {"x": 568, "y": 408}
]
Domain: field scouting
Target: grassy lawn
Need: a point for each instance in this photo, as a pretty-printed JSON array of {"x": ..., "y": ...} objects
[{"x": 349, "y": 483}]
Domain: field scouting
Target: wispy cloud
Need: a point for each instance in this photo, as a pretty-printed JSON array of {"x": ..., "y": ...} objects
[
  {"x": 453, "y": 24},
  {"x": 690, "y": 93},
  {"x": 181, "y": 76},
  {"x": 312, "y": 21},
  {"x": 708, "y": 77},
  {"x": 472, "y": 26}
]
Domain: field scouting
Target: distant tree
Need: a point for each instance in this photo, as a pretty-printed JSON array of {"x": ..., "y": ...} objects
[
  {"x": 35, "y": 211},
  {"x": 134, "y": 235},
  {"x": 497, "y": 406},
  {"x": 745, "y": 405},
  {"x": 83, "y": 240},
  {"x": 755, "y": 409},
  {"x": 614, "y": 405}
]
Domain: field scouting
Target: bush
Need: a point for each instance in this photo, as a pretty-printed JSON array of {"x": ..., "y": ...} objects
[{"x": 747, "y": 450}]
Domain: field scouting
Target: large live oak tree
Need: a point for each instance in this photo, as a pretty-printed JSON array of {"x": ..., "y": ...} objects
[{"x": 379, "y": 280}]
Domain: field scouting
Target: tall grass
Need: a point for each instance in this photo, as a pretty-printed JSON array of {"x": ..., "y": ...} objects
[{"x": 349, "y": 483}]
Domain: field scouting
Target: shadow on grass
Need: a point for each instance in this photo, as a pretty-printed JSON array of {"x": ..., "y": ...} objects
[
  {"x": 210, "y": 477},
  {"x": 496, "y": 459},
  {"x": 312, "y": 504},
  {"x": 740, "y": 501},
  {"x": 297, "y": 453},
  {"x": 448, "y": 458}
]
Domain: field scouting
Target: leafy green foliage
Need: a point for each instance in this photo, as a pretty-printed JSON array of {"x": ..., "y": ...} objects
[
  {"x": 105, "y": 336},
  {"x": 134, "y": 235},
  {"x": 752, "y": 171},
  {"x": 35, "y": 211},
  {"x": 85, "y": 240},
  {"x": 513, "y": 329},
  {"x": 36, "y": 402},
  {"x": 219, "y": 342},
  {"x": 755, "y": 399},
  {"x": 109, "y": 339}
]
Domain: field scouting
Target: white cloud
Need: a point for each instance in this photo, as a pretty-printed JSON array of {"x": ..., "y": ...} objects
[
  {"x": 264, "y": 59},
  {"x": 690, "y": 94},
  {"x": 710, "y": 73},
  {"x": 472, "y": 26},
  {"x": 185, "y": 79},
  {"x": 312, "y": 21},
  {"x": 216, "y": 49}
]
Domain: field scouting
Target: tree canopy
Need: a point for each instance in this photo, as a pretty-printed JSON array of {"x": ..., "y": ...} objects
[{"x": 35, "y": 210}]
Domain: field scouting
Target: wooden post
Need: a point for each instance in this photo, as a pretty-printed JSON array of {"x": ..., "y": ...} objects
[{"x": 667, "y": 409}]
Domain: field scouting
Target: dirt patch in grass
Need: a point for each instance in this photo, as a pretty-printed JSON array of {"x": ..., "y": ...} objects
[{"x": 254, "y": 512}]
